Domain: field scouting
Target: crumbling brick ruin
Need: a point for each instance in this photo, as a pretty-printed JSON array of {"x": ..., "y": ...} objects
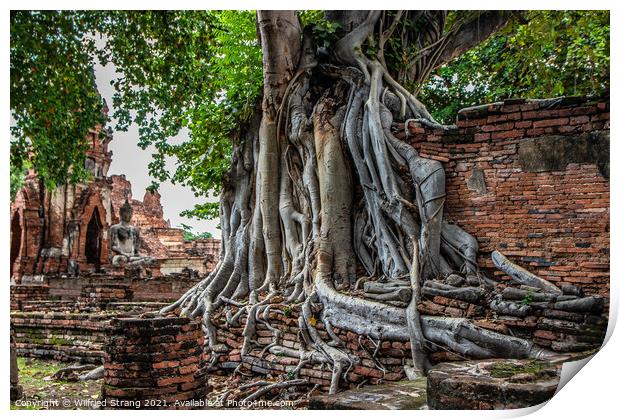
[
  {"x": 67, "y": 230},
  {"x": 154, "y": 364},
  {"x": 528, "y": 178}
]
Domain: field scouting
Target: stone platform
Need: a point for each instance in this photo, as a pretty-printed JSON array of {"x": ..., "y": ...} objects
[
  {"x": 406, "y": 395},
  {"x": 493, "y": 384}
]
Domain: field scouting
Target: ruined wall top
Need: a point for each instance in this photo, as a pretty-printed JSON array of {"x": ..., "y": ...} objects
[
  {"x": 148, "y": 213},
  {"x": 530, "y": 178}
]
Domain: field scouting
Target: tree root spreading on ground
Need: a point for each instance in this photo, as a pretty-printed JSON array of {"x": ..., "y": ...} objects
[
  {"x": 294, "y": 228},
  {"x": 71, "y": 373}
]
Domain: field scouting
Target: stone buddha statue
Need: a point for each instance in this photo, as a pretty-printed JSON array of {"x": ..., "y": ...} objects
[{"x": 126, "y": 241}]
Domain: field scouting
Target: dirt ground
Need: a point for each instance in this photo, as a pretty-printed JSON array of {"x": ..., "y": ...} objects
[
  {"x": 227, "y": 392},
  {"x": 42, "y": 393}
]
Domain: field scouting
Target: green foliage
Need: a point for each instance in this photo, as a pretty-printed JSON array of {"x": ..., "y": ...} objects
[
  {"x": 17, "y": 177},
  {"x": 189, "y": 235},
  {"x": 198, "y": 74},
  {"x": 203, "y": 211},
  {"x": 324, "y": 32},
  {"x": 196, "y": 71},
  {"x": 556, "y": 53},
  {"x": 528, "y": 298},
  {"x": 53, "y": 97}
]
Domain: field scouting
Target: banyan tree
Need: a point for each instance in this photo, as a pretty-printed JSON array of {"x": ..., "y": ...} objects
[{"x": 322, "y": 204}]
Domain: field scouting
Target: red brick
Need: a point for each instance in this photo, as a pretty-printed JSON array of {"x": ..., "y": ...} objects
[
  {"x": 507, "y": 134},
  {"x": 498, "y": 127},
  {"x": 582, "y": 119},
  {"x": 523, "y": 124},
  {"x": 551, "y": 123}
]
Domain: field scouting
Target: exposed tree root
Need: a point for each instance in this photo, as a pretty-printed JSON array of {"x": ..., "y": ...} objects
[
  {"x": 71, "y": 373},
  {"x": 521, "y": 275},
  {"x": 270, "y": 386},
  {"x": 294, "y": 231}
]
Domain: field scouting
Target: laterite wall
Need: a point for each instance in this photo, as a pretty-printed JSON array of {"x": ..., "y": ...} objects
[
  {"x": 67, "y": 331},
  {"x": 66, "y": 317},
  {"x": 156, "y": 289}
]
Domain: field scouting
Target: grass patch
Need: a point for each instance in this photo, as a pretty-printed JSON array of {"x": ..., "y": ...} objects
[
  {"x": 32, "y": 371},
  {"x": 288, "y": 310},
  {"x": 32, "y": 374},
  {"x": 507, "y": 370}
]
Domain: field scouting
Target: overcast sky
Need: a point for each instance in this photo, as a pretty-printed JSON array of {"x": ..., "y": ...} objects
[{"x": 131, "y": 160}]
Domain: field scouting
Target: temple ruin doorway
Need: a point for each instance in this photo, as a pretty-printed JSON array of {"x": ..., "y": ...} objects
[
  {"x": 92, "y": 249},
  {"x": 16, "y": 240}
]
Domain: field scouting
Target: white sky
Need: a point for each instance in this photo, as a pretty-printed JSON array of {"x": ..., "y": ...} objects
[{"x": 131, "y": 160}]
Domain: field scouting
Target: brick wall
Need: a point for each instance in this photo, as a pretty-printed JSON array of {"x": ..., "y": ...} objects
[
  {"x": 179, "y": 265},
  {"x": 383, "y": 361},
  {"x": 156, "y": 289},
  {"x": 60, "y": 336},
  {"x": 154, "y": 359},
  {"x": 530, "y": 179},
  {"x": 67, "y": 331},
  {"x": 20, "y": 294},
  {"x": 391, "y": 355},
  {"x": 66, "y": 319}
]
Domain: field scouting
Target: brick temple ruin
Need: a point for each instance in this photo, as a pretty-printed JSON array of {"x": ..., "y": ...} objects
[
  {"x": 67, "y": 230},
  {"x": 528, "y": 178}
]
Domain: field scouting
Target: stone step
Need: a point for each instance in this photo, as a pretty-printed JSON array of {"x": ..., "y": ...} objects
[
  {"x": 405, "y": 395},
  {"x": 492, "y": 384}
]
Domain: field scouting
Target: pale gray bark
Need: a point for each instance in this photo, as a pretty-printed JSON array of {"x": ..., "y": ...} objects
[
  {"x": 292, "y": 228},
  {"x": 521, "y": 275}
]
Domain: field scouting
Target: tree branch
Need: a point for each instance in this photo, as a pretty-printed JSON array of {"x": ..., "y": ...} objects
[{"x": 475, "y": 32}]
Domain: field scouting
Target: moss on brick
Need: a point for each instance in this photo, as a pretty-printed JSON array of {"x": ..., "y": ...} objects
[{"x": 508, "y": 370}]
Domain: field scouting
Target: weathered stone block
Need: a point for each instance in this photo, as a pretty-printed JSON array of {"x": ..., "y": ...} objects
[
  {"x": 553, "y": 153},
  {"x": 396, "y": 396},
  {"x": 491, "y": 384}
]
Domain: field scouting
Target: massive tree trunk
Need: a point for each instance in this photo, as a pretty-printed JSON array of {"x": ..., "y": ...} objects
[{"x": 319, "y": 186}]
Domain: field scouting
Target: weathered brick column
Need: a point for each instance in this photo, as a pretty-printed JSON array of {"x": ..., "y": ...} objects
[{"x": 154, "y": 363}]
